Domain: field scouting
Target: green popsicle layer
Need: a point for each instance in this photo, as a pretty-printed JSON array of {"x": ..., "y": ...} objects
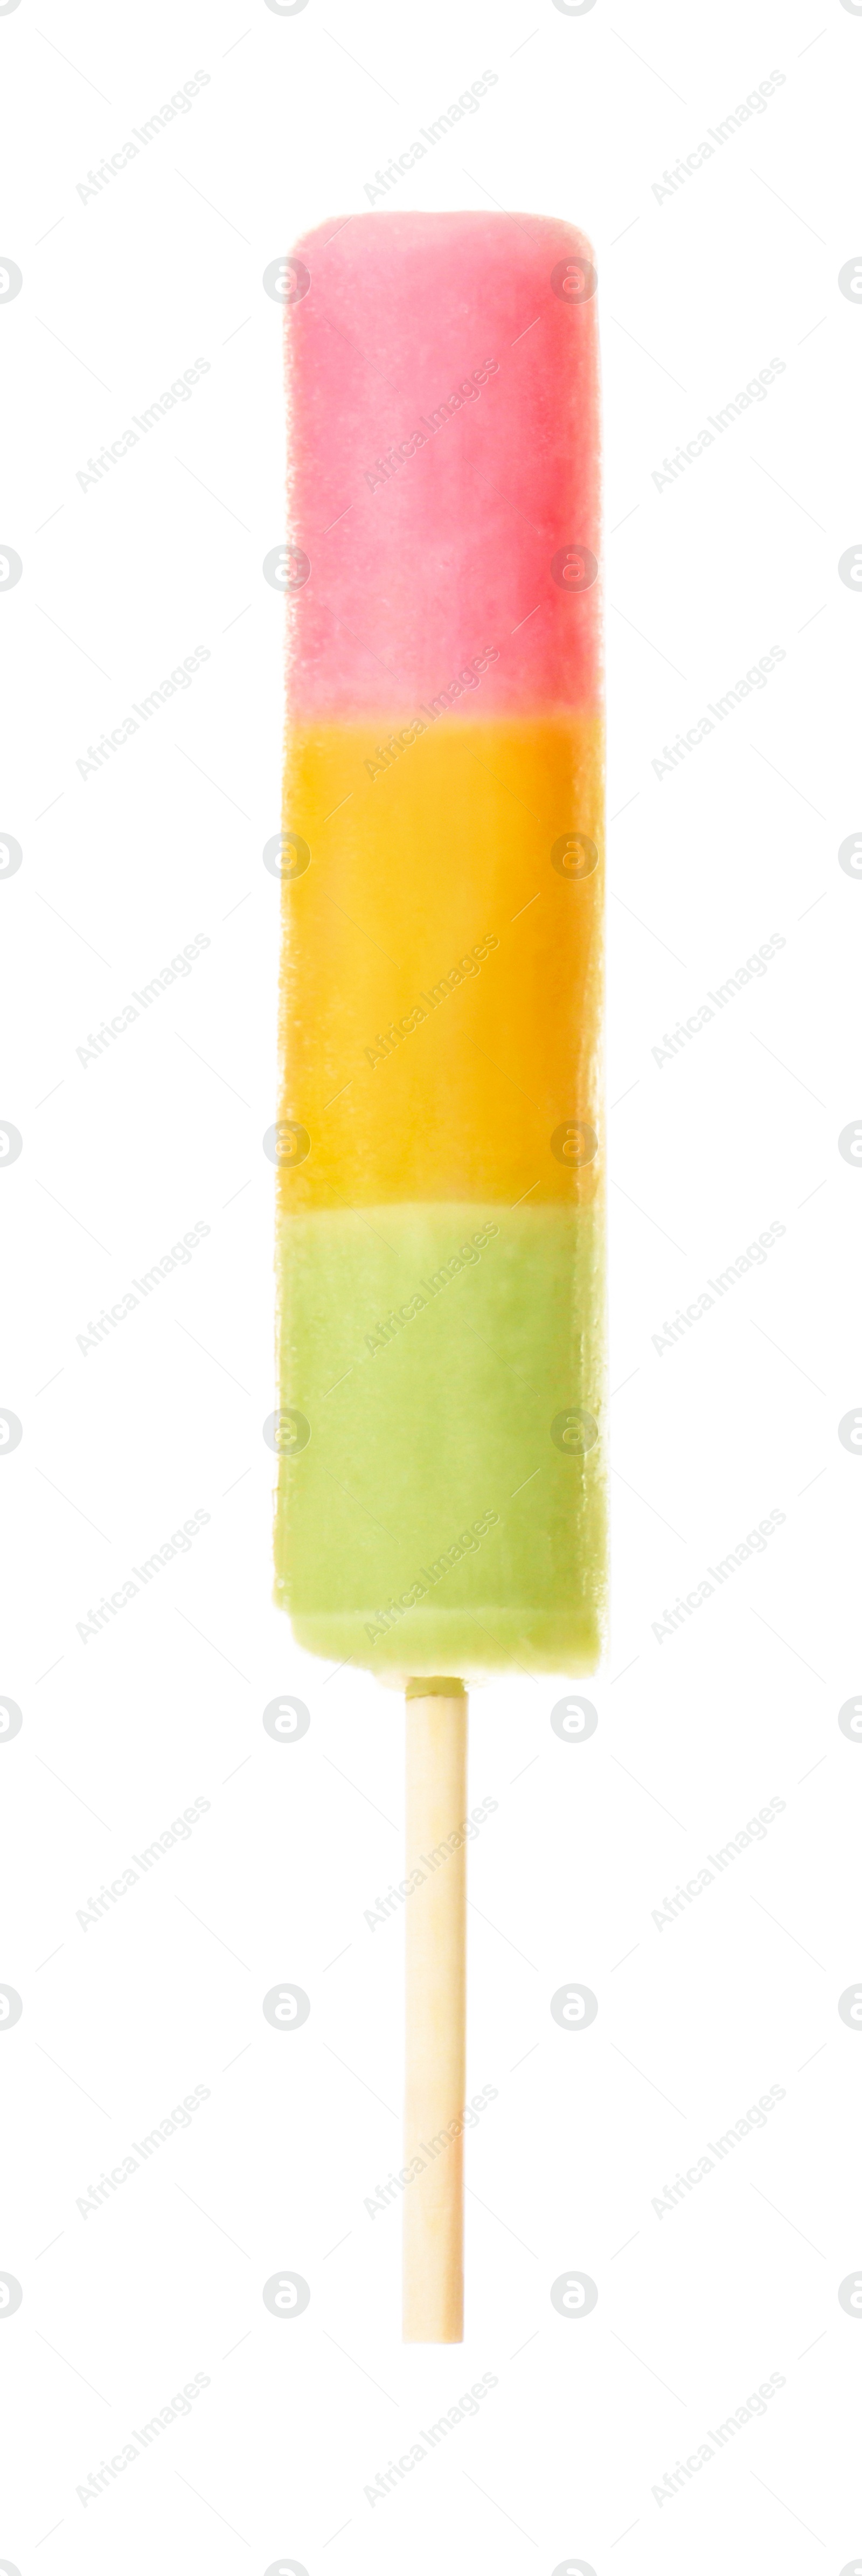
[{"x": 441, "y": 1497}]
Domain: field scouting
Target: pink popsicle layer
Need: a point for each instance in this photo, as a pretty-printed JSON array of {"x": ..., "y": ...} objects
[{"x": 443, "y": 497}]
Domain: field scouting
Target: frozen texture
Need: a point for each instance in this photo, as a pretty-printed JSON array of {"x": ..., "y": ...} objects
[
  {"x": 441, "y": 1500},
  {"x": 446, "y": 1513},
  {"x": 419, "y": 562},
  {"x": 442, "y": 961}
]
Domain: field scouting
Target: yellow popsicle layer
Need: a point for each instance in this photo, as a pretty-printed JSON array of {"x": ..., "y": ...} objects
[{"x": 442, "y": 963}]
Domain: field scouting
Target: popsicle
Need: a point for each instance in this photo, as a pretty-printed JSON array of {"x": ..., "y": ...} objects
[{"x": 441, "y": 1491}]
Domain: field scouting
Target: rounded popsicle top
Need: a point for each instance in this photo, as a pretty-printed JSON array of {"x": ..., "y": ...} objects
[{"x": 443, "y": 500}]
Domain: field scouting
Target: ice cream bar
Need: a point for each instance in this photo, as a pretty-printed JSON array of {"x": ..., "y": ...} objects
[{"x": 440, "y": 1505}]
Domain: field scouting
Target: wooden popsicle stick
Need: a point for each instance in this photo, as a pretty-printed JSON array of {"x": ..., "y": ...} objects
[{"x": 435, "y": 1924}]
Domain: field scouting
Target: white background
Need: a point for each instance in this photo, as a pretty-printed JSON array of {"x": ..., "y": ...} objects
[{"x": 123, "y": 1155}]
